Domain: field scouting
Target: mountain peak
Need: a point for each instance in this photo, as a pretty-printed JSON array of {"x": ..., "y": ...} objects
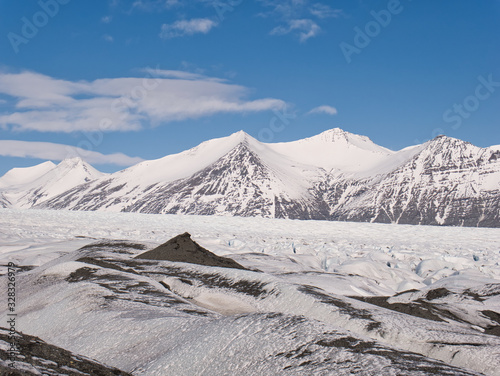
[
  {"x": 338, "y": 134},
  {"x": 72, "y": 162},
  {"x": 241, "y": 133},
  {"x": 78, "y": 169},
  {"x": 241, "y": 137},
  {"x": 335, "y": 130},
  {"x": 443, "y": 140}
]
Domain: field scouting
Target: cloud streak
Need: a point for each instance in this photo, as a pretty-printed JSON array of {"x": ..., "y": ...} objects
[
  {"x": 59, "y": 152},
  {"x": 46, "y": 104},
  {"x": 187, "y": 27},
  {"x": 299, "y": 17},
  {"x": 305, "y": 29},
  {"x": 322, "y": 11},
  {"x": 328, "y": 110}
]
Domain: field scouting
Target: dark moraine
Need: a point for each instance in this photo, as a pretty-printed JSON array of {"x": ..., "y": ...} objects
[
  {"x": 183, "y": 249},
  {"x": 36, "y": 357}
]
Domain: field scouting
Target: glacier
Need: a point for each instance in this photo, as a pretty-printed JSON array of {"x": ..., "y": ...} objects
[{"x": 319, "y": 297}]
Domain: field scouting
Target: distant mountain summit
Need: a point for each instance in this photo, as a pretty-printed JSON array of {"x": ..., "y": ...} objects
[
  {"x": 26, "y": 187},
  {"x": 335, "y": 175}
]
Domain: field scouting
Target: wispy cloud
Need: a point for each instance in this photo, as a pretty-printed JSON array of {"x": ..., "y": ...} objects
[
  {"x": 305, "y": 29},
  {"x": 152, "y": 5},
  {"x": 46, "y": 104},
  {"x": 59, "y": 152},
  {"x": 329, "y": 110},
  {"x": 108, "y": 38},
  {"x": 285, "y": 9},
  {"x": 324, "y": 11},
  {"x": 298, "y": 17},
  {"x": 106, "y": 19},
  {"x": 180, "y": 75},
  {"x": 187, "y": 27}
]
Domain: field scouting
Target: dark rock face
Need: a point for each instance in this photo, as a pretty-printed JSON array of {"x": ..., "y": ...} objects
[
  {"x": 183, "y": 249},
  {"x": 4, "y": 203},
  {"x": 37, "y": 357}
]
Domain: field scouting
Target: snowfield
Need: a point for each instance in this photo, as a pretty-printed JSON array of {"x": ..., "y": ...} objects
[{"x": 320, "y": 297}]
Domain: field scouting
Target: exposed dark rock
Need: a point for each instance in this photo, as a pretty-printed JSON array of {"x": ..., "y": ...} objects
[
  {"x": 213, "y": 280},
  {"x": 36, "y": 357},
  {"x": 420, "y": 309},
  {"x": 429, "y": 307},
  {"x": 183, "y": 249},
  {"x": 437, "y": 293}
]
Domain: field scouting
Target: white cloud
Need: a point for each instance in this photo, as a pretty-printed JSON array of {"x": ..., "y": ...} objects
[
  {"x": 45, "y": 104},
  {"x": 329, "y": 110},
  {"x": 59, "y": 152},
  {"x": 106, "y": 19},
  {"x": 306, "y": 29},
  {"x": 324, "y": 11},
  {"x": 108, "y": 38},
  {"x": 187, "y": 27}
]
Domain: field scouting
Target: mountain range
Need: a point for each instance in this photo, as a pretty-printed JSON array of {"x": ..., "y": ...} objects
[{"x": 335, "y": 175}]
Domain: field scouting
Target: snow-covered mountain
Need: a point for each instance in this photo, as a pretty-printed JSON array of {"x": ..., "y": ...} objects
[
  {"x": 444, "y": 181},
  {"x": 335, "y": 175},
  {"x": 336, "y": 149},
  {"x": 26, "y": 187}
]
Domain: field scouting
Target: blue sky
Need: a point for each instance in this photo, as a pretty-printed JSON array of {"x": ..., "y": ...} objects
[{"x": 126, "y": 80}]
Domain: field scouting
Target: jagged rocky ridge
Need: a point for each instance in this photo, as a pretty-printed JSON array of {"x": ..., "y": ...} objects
[
  {"x": 333, "y": 176},
  {"x": 150, "y": 317}
]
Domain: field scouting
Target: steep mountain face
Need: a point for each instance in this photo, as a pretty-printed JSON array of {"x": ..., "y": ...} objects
[
  {"x": 449, "y": 182},
  {"x": 334, "y": 176}
]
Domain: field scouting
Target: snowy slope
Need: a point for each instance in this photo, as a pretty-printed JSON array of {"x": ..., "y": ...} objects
[
  {"x": 21, "y": 176},
  {"x": 181, "y": 165},
  {"x": 297, "y": 316},
  {"x": 334, "y": 176},
  {"x": 25, "y": 188},
  {"x": 336, "y": 149}
]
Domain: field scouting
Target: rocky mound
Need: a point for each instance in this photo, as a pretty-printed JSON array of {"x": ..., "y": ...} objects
[{"x": 183, "y": 249}]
